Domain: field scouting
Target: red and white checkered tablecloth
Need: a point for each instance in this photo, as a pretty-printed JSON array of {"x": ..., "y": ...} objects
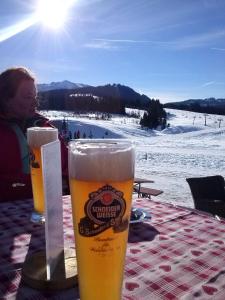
[{"x": 178, "y": 254}]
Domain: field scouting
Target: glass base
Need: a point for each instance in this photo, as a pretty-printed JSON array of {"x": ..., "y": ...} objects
[
  {"x": 34, "y": 272},
  {"x": 37, "y": 218}
]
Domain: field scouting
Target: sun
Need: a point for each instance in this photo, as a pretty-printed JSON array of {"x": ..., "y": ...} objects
[{"x": 53, "y": 13}]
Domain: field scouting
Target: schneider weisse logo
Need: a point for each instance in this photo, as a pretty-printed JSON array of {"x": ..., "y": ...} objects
[{"x": 104, "y": 208}]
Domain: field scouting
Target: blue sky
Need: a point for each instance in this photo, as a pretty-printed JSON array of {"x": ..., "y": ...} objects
[{"x": 167, "y": 49}]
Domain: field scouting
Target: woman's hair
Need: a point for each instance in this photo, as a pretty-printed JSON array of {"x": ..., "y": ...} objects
[{"x": 10, "y": 80}]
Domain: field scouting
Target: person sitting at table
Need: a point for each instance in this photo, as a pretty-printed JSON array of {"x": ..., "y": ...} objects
[{"x": 18, "y": 104}]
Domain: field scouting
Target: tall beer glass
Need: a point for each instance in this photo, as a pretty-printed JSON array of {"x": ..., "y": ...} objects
[
  {"x": 101, "y": 183},
  {"x": 36, "y": 137}
]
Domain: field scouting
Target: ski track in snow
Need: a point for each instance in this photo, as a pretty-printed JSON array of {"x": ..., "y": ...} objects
[{"x": 185, "y": 149}]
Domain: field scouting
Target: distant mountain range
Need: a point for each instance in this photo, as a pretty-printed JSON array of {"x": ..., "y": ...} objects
[
  {"x": 207, "y": 105},
  {"x": 56, "y": 94},
  {"x": 44, "y": 87}
]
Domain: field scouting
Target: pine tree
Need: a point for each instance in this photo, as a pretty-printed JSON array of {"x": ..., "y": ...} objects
[{"x": 154, "y": 116}]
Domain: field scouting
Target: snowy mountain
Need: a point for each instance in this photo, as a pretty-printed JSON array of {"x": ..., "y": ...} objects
[
  {"x": 57, "y": 95},
  {"x": 207, "y": 105},
  {"x": 187, "y": 148},
  {"x": 124, "y": 92},
  {"x": 43, "y": 87}
]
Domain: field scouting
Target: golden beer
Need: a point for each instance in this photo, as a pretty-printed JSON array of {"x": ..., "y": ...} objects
[
  {"x": 37, "y": 181},
  {"x": 101, "y": 184},
  {"x": 36, "y": 137}
]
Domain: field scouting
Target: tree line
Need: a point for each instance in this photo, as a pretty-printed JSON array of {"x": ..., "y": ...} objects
[
  {"x": 154, "y": 115},
  {"x": 208, "y": 106}
]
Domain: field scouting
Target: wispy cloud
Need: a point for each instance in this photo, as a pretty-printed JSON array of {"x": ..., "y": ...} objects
[
  {"x": 101, "y": 44},
  {"x": 115, "y": 44},
  {"x": 198, "y": 40},
  {"x": 187, "y": 42},
  {"x": 125, "y": 41},
  {"x": 208, "y": 83},
  {"x": 218, "y": 49}
]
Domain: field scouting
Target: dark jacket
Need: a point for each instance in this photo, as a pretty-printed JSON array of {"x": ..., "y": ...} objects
[{"x": 15, "y": 180}]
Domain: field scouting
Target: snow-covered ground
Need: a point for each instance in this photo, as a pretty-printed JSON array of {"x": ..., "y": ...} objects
[{"x": 187, "y": 148}]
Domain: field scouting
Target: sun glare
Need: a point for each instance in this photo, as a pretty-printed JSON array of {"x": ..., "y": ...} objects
[{"x": 52, "y": 13}]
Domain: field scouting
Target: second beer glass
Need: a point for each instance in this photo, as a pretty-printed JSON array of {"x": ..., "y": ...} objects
[
  {"x": 101, "y": 183},
  {"x": 37, "y": 137}
]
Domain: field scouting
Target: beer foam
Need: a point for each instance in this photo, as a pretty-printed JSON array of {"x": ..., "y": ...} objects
[
  {"x": 38, "y": 136},
  {"x": 100, "y": 160}
]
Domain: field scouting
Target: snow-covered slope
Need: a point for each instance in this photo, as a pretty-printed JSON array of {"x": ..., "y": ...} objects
[{"x": 187, "y": 148}]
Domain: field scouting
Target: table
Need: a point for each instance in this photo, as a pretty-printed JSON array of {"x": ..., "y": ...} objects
[
  {"x": 142, "y": 180},
  {"x": 178, "y": 255},
  {"x": 138, "y": 181}
]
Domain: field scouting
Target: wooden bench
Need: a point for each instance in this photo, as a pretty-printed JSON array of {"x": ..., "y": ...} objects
[{"x": 147, "y": 192}]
